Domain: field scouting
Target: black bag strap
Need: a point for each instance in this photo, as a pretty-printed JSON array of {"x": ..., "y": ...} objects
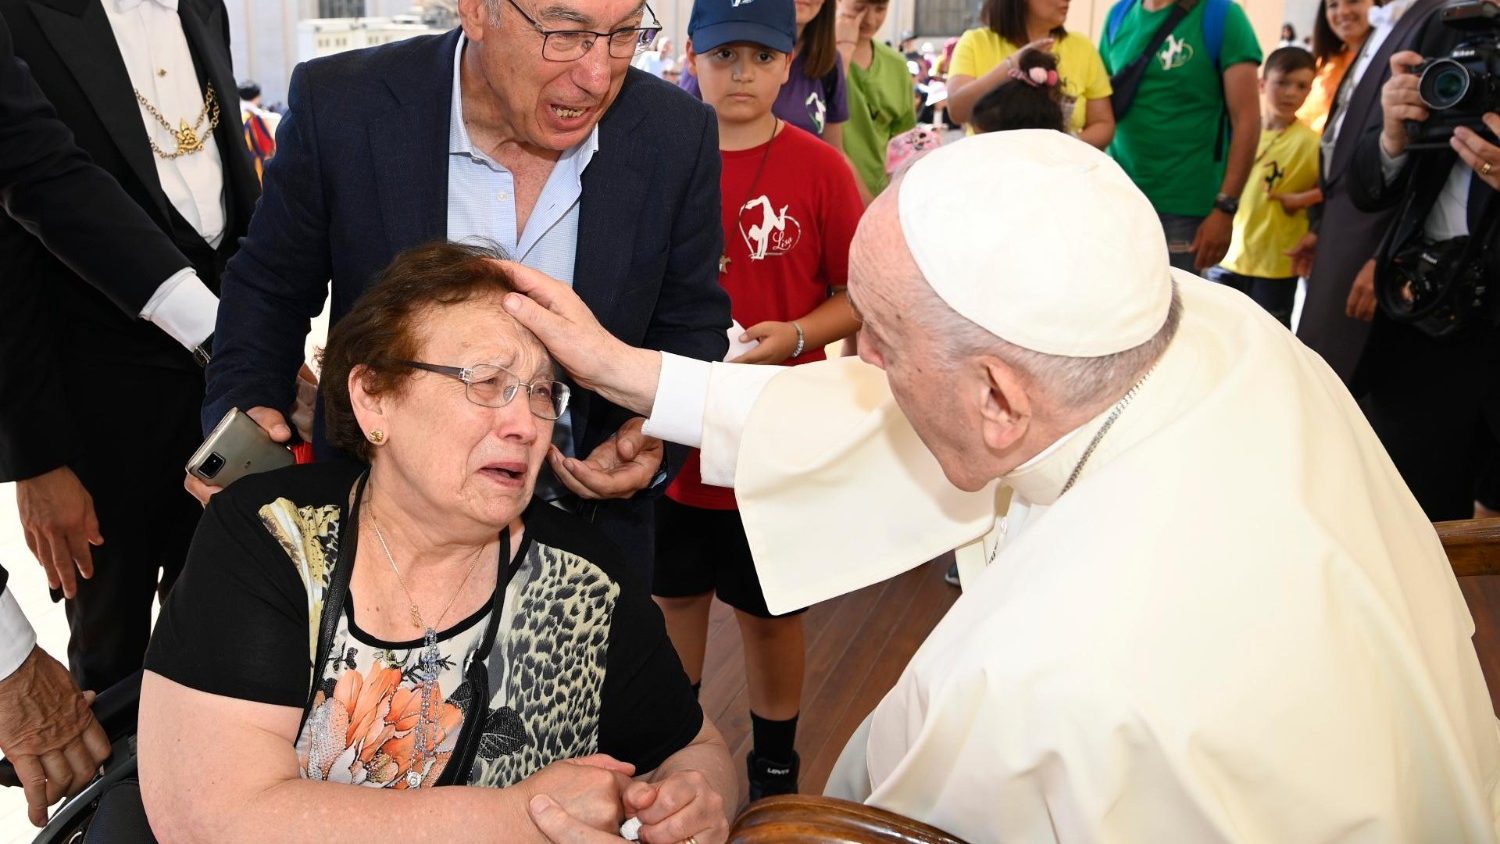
[
  {"x": 333, "y": 597},
  {"x": 476, "y": 674},
  {"x": 1128, "y": 80}
]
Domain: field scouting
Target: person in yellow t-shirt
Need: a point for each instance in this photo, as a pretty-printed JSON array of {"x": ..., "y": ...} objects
[
  {"x": 984, "y": 57},
  {"x": 1283, "y": 184}
]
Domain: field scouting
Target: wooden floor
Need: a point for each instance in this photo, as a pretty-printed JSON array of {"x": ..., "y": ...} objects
[{"x": 857, "y": 646}]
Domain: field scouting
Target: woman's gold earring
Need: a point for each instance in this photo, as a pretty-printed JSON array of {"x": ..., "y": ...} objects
[{"x": 377, "y": 436}]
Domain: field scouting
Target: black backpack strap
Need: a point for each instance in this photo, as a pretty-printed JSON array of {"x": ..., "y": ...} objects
[{"x": 1128, "y": 80}]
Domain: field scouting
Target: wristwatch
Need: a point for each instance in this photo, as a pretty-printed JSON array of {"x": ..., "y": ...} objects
[{"x": 1228, "y": 204}]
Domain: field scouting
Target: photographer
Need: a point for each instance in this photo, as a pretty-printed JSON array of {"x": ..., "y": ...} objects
[{"x": 1434, "y": 350}]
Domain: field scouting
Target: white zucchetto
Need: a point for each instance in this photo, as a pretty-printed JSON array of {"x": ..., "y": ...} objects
[{"x": 1040, "y": 239}]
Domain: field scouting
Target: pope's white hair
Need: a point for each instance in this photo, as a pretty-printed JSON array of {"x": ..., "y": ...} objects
[{"x": 1072, "y": 382}]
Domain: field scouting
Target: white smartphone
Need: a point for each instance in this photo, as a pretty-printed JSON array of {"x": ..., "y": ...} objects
[{"x": 235, "y": 448}]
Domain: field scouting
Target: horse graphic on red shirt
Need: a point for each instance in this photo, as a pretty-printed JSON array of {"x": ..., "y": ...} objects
[{"x": 759, "y": 237}]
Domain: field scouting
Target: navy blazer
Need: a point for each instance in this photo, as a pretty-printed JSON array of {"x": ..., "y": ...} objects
[{"x": 361, "y": 173}]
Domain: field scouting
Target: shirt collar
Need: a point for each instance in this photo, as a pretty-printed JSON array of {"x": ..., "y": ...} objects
[
  {"x": 459, "y": 142},
  {"x": 129, "y": 5},
  {"x": 1388, "y": 14},
  {"x": 1040, "y": 480}
]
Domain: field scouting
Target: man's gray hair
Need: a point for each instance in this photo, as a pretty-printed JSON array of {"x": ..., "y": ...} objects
[{"x": 1074, "y": 382}]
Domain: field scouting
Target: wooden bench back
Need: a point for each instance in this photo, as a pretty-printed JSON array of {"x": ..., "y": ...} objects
[
  {"x": 806, "y": 819},
  {"x": 1473, "y": 546}
]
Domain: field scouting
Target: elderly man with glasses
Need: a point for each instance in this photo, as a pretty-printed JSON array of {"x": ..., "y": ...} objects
[{"x": 522, "y": 129}]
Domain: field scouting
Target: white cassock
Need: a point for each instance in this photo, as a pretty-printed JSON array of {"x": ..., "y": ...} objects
[{"x": 1237, "y": 625}]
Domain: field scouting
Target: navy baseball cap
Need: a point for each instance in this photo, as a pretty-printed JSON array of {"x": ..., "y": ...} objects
[{"x": 769, "y": 23}]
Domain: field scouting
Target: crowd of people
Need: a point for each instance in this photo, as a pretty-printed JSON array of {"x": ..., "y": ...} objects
[{"x": 457, "y": 587}]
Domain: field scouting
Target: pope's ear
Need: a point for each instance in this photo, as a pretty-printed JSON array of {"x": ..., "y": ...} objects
[{"x": 1004, "y": 404}]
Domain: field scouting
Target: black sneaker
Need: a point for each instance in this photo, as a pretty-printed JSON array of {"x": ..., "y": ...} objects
[
  {"x": 951, "y": 575},
  {"x": 768, "y": 778}
]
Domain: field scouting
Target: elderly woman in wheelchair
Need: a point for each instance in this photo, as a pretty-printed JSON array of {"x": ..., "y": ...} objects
[{"x": 344, "y": 638}]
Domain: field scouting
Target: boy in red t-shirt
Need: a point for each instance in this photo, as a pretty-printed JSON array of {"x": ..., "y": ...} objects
[{"x": 790, "y": 207}]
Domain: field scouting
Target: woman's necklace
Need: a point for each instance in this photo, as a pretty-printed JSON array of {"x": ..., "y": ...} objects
[
  {"x": 761, "y": 168},
  {"x": 1109, "y": 422},
  {"x": 428, "y": 661}
]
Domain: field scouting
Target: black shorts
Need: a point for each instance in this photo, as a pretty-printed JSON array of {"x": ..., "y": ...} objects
[{"x": 700, "y": 550}]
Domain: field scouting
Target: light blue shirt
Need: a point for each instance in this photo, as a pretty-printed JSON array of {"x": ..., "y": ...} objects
[{"x": 482, "y": 208}]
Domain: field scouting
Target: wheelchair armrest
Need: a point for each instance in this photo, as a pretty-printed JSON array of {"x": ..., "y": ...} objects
[{"x": 117, "y": 709}]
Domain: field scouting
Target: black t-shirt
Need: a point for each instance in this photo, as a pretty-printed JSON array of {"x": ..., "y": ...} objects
[{"x": 580, "y": 663}]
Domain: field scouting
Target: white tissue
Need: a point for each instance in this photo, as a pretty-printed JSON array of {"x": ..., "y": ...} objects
[{"x": 736, "y": 348}]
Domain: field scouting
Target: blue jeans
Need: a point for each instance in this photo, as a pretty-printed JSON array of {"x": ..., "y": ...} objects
[{"x": 1181, "y": 229}]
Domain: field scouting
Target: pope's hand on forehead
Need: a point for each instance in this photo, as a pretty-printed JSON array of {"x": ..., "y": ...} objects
[{"x": 564, "y": 324}]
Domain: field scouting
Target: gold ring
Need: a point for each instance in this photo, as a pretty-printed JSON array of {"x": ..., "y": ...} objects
[{"x": 1487, "y": 169}]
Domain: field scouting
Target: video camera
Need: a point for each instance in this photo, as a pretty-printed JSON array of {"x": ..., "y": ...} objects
[{"x": 1460, "y": 87}]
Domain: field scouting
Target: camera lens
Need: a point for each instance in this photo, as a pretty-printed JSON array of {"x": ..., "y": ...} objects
[
  {"x": 1444, "y": 84},
  {"x": 212, "y": 465}
]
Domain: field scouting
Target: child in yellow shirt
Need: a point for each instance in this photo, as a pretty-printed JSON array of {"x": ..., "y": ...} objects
[{"x": 1283, "y": 183}]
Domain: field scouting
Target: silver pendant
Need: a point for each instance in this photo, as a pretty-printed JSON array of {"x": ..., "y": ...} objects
[{"x": 413, "y": 779}]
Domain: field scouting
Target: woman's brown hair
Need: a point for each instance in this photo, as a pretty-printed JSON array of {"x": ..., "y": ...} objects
[
  {"x": 1325, "y": 44},
  {"x": 1007, "y": 19},
  {"x": 817, "y": 45},
  {"x": 380, "y": 329}
]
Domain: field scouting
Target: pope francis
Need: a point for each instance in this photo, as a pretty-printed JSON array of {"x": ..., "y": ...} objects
[{"x": 1211, "y": 611}]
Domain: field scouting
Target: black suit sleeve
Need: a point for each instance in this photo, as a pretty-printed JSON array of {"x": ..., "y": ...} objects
[
  {"x": 36, "y": 432},
  {"x": 692, "y": 314},
  {"x": 276, "y": 283},
  {"x": 78, "y": 211},
  {"x": 1367, "y": 186}
]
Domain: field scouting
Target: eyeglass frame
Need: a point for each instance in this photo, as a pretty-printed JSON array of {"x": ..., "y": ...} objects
[
  {"x": 465, "y": 373},
  {"x": 607, "y": 36}
]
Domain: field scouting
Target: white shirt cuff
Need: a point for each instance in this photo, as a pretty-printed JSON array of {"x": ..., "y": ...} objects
[
  {"x": 706, "y": 406},
  {"x": 184, "y": 307},
  {"x": 681, "y": 394},
  {"x": 1390, "y": 167},
  {"x": 16, "y": 636},
  {"x": 733, "y": 390}
]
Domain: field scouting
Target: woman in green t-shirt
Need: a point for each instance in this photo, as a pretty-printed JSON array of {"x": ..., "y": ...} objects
[
  {"x": 881, "y": 105},
  {"x": 985, "y": 57}
]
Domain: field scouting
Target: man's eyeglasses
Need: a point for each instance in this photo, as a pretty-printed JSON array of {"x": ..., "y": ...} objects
[
  {"x": 495, "y": 386},
  {"x": 566, "y": 45}
]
